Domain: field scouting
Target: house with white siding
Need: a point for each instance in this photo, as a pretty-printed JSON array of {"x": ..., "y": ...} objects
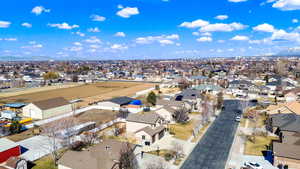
[{"x": 147, "y": 128}]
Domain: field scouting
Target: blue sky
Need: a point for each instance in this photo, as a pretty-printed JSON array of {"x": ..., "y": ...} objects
[{"x": 146, "y": 29}]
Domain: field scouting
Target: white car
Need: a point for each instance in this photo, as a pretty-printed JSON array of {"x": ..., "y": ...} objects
[
  {"x": 238, "y": 118},
  {"x": 252, "y": 165}
]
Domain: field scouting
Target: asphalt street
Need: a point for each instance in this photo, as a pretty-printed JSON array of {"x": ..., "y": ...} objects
[{"x": 213, "y": 149}]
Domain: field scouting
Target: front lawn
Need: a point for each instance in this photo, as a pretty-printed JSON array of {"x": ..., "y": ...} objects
[
  {"x": 257, "y": 147},
  {"x": 182, "y": 131},
  {"x": 45, "y": 163}
]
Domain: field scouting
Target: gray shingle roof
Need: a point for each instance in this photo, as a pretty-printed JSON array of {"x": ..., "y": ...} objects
[{"x": 121, "y": 100}]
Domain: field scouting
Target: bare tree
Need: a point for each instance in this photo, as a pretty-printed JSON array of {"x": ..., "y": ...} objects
[
  {"x": 178, "y": 148},
  {"x": 52, "y": 130},
  {"x": 89, "y": 138},
  {"x": 181, "y": 115},
  {"x": 127, "y": 158},
  {"x": 158, "y": 164},
  {"x": 207, "y": 109}
]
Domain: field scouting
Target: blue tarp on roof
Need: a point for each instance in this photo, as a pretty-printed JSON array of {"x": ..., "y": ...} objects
[
  {"x": 136, "y": 102},
  {"x": 15, "y": 105}
]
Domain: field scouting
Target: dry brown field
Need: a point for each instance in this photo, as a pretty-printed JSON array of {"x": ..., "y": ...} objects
[{"x": 88, "y": 93}]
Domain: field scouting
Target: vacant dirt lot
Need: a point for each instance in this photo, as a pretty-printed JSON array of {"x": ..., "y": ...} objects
[
  {"x": 88, "y": 93},
  {"x": 96, "y": 115}
]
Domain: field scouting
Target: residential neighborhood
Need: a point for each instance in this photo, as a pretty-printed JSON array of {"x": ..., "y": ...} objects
[
  {"x": 150, "y": 84},
  {"x": 233, "y": 120}
]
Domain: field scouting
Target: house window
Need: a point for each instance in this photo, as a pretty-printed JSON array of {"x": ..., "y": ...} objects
[{"x": 143, "y": 137}]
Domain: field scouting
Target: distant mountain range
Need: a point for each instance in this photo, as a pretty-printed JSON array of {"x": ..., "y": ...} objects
[{"x": 290, "y": 52}]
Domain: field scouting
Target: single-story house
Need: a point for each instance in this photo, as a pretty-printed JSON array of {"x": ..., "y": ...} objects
[
  {"x": 115, "y": 103},
  {"x": 284, "y": 108},
  {"x": 147, "y": 135},
  {"x": 166, "y": 112},
  {"x": 104, "y": 155},
  {"x": 286, "y": 150},
  {"x": 147, "y": 128},
  {"x": 47, "y": 108},
  {"x": 8, "y": 149}
]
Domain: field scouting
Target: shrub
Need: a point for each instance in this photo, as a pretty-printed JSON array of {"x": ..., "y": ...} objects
[{"x": 168, "y": 156}]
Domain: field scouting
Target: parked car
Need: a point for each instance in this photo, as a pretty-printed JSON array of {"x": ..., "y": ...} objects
[
  {"x": 238, "y": 118},
  {"x": 252, "y": 165}
]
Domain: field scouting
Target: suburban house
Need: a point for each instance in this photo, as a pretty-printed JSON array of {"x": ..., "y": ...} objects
[
  {"x": 284, "y": 108},
  {"x": 147, "y": 128},
  {"x": 208, "y": 88},
  {"x": 104, "y": 155},
  {"x": 8, "y": 149},
  {"x": 115, "y": 104},
  {"x": 167, "y": 113},
  {"x": 286, "y": 150},
  {"x": 47, "y": 108}
]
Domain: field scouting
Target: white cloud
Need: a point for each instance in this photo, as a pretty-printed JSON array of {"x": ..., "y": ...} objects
[
  {"x": 75, "y": 48},
  {"x": 93, "y": 39},
  {"x": 221, "y": 41},
  {"x": 295, "y": 20},
  {"x": 206, "y": 34},
  {"x": 77, "y": 43},
  {"x": 26, "y": 24},
  {"x": 8, "y": 39},
  {"x": 237, "y": 0},
  {"x": 128, "y": 12},
  {"x": 39, "y": 10},
  {"x": 173, "y": 36},
  {"x": 166, "y": 42},
  {"x": 94, "y": 46},
  {"x": 194, "y": 24},
  {"x": 63, "y": 25},
  {"x": 96, "y": 29},
  {"x": 264, "y": 28},
  {"x": 221, "y": 17},
  {"x": 119, "y": 47},
  {"x": 283, "y": 35},
  {"x": 163, "y": 39},
  {"x": 97, "y": 18},
  {"x": 120, "y": 6},
  {"x": 79, "y": 33},
  {"x": 286, "y": 5},
  {"x": 196, "y": 33},
  {"x": 222, "y": 27},
  {"x": 32, "y": 45},
  {"x": 240, "y": 38},
  {"x": 204, "y": 39},
  {"x": 120, "y": 34},
  {"x": 4, "y": 24}
]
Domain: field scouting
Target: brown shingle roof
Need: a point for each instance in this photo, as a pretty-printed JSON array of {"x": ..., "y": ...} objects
[
  {"x": 51, "y": 103},
  {"x": 151, "y": 131},
  {"x": 101, "y": 156}
]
